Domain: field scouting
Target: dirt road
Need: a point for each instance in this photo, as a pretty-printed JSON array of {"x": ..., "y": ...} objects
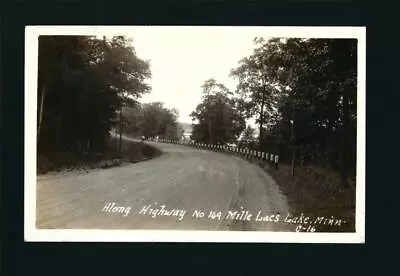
[{"x": 177, "y": 190}]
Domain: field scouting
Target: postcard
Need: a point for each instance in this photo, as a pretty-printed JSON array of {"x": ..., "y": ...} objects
[{"x": 195, "y": 134}]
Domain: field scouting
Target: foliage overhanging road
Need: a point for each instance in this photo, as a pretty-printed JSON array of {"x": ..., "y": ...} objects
[{"x": 181, "y": 178}]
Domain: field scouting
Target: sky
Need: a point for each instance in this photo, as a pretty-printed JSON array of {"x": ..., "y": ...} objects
[{"x": 182, "y": 58}]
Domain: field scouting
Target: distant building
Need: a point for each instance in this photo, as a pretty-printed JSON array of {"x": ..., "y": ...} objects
[
  {"x": 186, "y": 135},
  {"x": 187, "y": 131}
]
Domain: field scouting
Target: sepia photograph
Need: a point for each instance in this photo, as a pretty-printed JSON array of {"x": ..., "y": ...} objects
[{"x": 195, "y": 134}]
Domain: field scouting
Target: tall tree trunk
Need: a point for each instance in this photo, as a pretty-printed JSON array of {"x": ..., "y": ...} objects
[
  {"x": 40, "y": 112},
  {"x": 210, "y": 139},
  {"x": 344, "y": 165},
  {"x": 331, "y": 134},
  {"x": 210, "y": 134},
  {"x": 293, "y": 143},
  {"x": 328, "y": 149},
  {"x": 261, "y": 124},
  {"x": 120, "y": 131},
  {"x": 260, "y": 137}
]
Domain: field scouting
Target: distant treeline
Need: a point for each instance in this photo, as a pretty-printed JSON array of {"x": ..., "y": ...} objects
[
  {"x": 83, "y": 83},
  {"x": 151, "y": 120},
  {"x": 301, "y": 92}
]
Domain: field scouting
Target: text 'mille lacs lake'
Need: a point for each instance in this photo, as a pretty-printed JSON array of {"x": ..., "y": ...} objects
[
  {"x": 303, "y": 223},
  {"x": 258, "y": 137}
]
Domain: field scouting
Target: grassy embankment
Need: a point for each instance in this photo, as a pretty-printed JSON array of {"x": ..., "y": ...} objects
[
  {"x": 317, "y": 192},
  {"x": 132, "y": 152}
]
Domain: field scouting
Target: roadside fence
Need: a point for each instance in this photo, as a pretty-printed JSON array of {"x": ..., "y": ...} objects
[{"x": 268, "y": 157}]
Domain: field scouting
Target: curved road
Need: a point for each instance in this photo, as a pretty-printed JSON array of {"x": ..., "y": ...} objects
[{"x": 183, "y": 180}]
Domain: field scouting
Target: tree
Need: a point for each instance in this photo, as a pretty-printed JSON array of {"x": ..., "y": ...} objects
[
  {"x": 211, "y": 89},
  {"x": 257, "y": 88},
  {"x": 218, "y": 119},
  {"x": 83, "y": 82},
  {"x": 247, "y": 139},
  {"x": 326, "y": 78},
  {"x": 312, "y": 82}
]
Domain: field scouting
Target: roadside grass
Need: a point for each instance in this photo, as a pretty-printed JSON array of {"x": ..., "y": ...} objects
[
  {"x": 131, "y": 152},
  {"x": 316, "y": 192}
]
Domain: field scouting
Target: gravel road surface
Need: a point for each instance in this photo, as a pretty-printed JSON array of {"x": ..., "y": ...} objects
[{"x": 180, "y": 182}]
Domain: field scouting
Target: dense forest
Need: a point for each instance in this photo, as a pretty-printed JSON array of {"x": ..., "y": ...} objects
[
  {"x": 302, "y": 94},
  {"x": 88, "y": 86},
  {"x": 83, "y": 84}
]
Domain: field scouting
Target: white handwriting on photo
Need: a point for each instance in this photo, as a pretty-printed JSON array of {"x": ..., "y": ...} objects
[{"x": 304, "y": 223}]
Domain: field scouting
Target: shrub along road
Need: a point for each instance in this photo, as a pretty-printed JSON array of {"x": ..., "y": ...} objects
[{"x": 183, "y": 189}]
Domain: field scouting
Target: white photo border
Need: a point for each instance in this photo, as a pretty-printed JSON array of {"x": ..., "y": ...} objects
[{"x": 32, "y": 234}]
